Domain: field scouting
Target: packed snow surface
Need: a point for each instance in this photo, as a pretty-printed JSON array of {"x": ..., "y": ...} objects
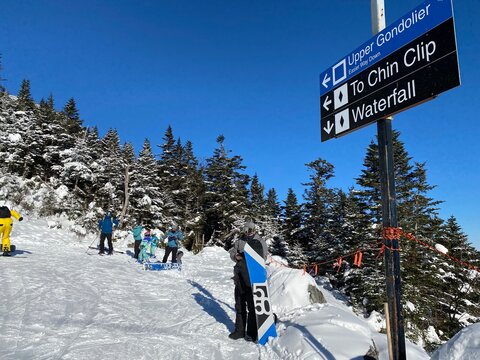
[
  {"x": 465, "y": 345},
  {"x": 60, "y": 301}
]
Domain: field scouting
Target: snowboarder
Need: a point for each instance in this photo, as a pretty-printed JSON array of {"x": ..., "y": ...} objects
[
  {"x": 137, "y": 236},
  {"x": 6, "y": 224},
  {"x": 106, "y": 226},
  {"x": 245, "y": 320},
  {"x": 145, "y": 244},
  {"x": 172, "y": 237}
]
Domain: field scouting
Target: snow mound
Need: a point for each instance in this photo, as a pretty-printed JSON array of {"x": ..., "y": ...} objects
[
  {"x": 465, "y": 345},
  {"x": 289, "y": 288}
]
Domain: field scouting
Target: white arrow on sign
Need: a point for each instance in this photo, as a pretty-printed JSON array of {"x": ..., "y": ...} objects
[
  {"x": 326, "y": 103},
  {"x": 329, "y": 127},
  {"x": 326, "y": 80}
]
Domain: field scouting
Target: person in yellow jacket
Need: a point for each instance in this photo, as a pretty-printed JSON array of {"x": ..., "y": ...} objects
[{"x": 6, "y": 224}]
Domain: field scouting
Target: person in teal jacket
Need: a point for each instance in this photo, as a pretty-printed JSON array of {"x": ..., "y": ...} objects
[
  {"x": 137, "y": 236},
  {"x": 106, "y": 226},
  {"x": 154, "y": 245},
  {"x": 144, "y": 246},
  {"x": 173, "y": 237}
]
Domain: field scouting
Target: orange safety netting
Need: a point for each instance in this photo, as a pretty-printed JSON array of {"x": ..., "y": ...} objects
[{"x": 388, "y": 233}]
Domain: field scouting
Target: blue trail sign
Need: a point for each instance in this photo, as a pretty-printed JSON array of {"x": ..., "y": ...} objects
[{"x": 407, "y": 63}]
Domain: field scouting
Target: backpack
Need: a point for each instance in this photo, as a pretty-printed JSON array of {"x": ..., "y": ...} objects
[
  {"x": 5, "y": 212},
  {"x": 255, "y": 244}
]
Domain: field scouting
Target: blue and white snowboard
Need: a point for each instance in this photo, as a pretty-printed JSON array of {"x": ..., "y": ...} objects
[
  {"x": 161, "y": 266},
  {"x": 261, "y": 298}
]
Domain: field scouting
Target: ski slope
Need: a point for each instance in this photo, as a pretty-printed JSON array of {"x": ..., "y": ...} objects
[{"x": 58, "y": 302}]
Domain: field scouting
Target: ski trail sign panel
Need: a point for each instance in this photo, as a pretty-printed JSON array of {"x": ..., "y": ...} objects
[
  {"x": 407, "y": 63},
  {"x": 261, "y": 297}
]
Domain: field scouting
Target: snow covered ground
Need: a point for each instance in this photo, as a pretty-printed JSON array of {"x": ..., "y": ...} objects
[{"x": 58, "y": 302}]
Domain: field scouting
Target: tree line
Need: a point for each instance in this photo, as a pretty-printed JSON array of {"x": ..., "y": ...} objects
[{"x": 69, "y": 169}]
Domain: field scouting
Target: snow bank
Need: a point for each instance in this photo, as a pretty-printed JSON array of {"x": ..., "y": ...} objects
[
  {"x": 289, "y": 288},
  {"x": 465, "y": 345}
]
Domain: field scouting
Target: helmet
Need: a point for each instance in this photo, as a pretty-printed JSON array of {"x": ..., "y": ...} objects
[{"x": 249, "y": 227}]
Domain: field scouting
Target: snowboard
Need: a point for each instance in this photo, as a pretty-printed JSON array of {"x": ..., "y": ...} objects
[
  {"x": 157, "y": 266},
  {"x": 12, "y": 248},
  {"x": 13, "y": 253},
  {"x": 257, "y": 273}
]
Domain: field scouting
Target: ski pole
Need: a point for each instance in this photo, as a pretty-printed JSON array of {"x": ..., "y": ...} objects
[{"x": 90, "y": 245}]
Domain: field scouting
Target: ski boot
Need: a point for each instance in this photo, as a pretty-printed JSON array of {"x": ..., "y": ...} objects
[{"x": 236, "y": 335}]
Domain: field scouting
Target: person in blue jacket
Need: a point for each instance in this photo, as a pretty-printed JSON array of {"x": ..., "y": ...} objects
[
  {"x": 106, "y": 226},
  {"x": 137, "y": 236},
  {"x": 173, "y": 237}
]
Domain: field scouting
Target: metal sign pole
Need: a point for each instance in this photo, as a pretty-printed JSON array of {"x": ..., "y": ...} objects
[{"x": 389, "y": 213}]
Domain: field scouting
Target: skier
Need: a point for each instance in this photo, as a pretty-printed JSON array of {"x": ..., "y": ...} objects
[
  {"x": 6, "y": 224},
  {"x": 137, "y": 236},
  {"x": 244, "y": 305},
  {"x": 173, "y": 237},
  {"x": 107, "y": 225},
  {"x": 145, "y": 244}
]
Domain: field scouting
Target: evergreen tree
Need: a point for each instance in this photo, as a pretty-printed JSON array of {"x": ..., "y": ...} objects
[
  {"x": 179, "y": 182},
  {"x": 76, "y": 170},
  {"x": 226, "y": 196},
  {"x": 54, "y": 138},
  {"x": 292, "y": 227},
  {"x": 24, "y": 148},
  {"x": 25, "y": 100},
  {"x": 110, "y": 172},
  {"x": 271, "y": 215},
  {"x": 167, "y": 173},
  {"x": 193, "y": 197},
  {"x": 73, "y": 123},
  {"x": 272, "y": 205},
  {"x": 279, "y": 247},
  {"x": 353, "y": 228},
  {"x": 128, "y": 215},
  {"x": 256, "y": 200},
  {"x": 146, "y": 196},
  {"x": 417, "y": 213},
  {"x": 318, "y": 211},
  {"x": 457, "y": 288}
]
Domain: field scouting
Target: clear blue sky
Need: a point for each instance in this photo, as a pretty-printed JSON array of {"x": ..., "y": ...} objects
[{"x": 245, "y": 69}]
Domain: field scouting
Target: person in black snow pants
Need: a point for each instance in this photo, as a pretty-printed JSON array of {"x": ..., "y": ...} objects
[
  {"x": 106, "y": 226},
  {"x": 173, "y": 238},
  {"x": 245, "y": 320}
]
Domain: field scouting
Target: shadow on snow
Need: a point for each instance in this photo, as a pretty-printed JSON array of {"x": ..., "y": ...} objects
[{"x": 212, "y": 306}]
